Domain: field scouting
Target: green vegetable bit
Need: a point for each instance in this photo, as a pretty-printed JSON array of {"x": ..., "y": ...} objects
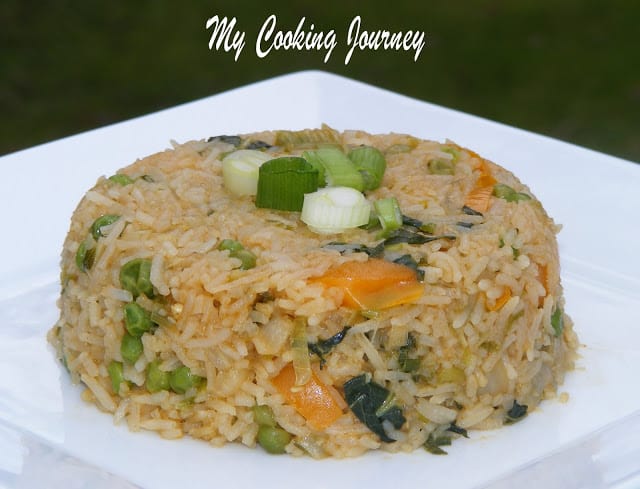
[
  {"x": 137, "y": 320},
  {"x": 134, "y": 277},
  {"x": 116, "y": 375},
  {"x": 389, "y": 214},
  {"x": 323, "y": 347},
  {"x": 263, "y": 415},
  {"x": 101, "y": 222},
  {"x": 339, "y": 170},
  {"x": 282, "y": 183},
  {"x": 131, "y": 348},
  {"x": 557, "y": 321},
  {"x": 247, "y": 259},
  {"x": 435, "y": 440},
  {"x": 86, "y": 255},
  {"x": 371, "y": 164},
  {"x": 231, "y": 245},
  {"x": 307, "y": 138},
  {"x": 440, "y": 166},
  {"x": 516, "y": 413},
  {"x": 157, "y": 380},
  {"x": 273, "y": 439},
  {"x": 121, "y": 179},
  {"x": 505, "y": 192},
  {"x": 181, "y": 380},
  {"x": 367, "y": 399},
  {"x": 236, "y": 250}
]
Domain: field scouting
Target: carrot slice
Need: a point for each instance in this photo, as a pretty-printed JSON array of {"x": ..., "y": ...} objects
[
  {"x": 374, "y": 284},
  {"x": 312, "y": 400},
  {"x": 500, "y": 301},
  {"x": 543, "y": 275},
  {"x": 479, "y": 199}
]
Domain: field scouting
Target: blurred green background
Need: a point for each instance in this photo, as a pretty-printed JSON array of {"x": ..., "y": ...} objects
[{"x": 569, "y": 69}]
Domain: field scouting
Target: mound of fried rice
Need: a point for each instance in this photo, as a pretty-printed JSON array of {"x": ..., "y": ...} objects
[{"x": 488, "y": 338}]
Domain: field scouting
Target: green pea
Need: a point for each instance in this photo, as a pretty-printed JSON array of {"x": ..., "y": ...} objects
[
  {"x": 137, "y": 320},
  {"x": 134, "y": 277},
  {"x": 181, "y": 380},
  {"x": 157, "y": 380},
  {"x": 247, "y": 259},
  {"x": 121, "y": 179},
  {"x": 273, "y": 439},
  {"x": 230, "y": 244},
  {"x": 263, "y": 415},
  {"x": 131, "y": 348},
  {"x": 102, "y": 221},
  {"x": 116, "y": 374},
  {"x": 85, "y": 255}
]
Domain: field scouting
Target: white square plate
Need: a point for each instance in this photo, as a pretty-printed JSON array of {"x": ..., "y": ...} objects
[{"x": 593, "y": 195}]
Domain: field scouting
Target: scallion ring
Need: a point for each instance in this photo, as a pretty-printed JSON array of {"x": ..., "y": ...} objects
[
  {"x": 282, "y": 183},
  {"x": 335, "y": 209},
  {"x": 240, "y": 171}
]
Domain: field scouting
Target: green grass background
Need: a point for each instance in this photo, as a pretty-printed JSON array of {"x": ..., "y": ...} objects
[{"x": 569, "y": 69}]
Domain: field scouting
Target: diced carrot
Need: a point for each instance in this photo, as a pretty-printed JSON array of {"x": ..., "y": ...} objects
[
  {"x": 374, "y": 284},
  {"x": 500, "y": 301},
  {"x": 486, "y": 181},
  {"x": 312, "y": 400},
  {"x": 543, "y": 275},
  {"x": 479, "y": 199}
]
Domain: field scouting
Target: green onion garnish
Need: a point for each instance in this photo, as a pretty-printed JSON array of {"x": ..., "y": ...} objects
[
  {"x": 300, "y": 351},
  {"x": 236, "y": 250},
  {"x": 389, "y": 214},
  {"x": 282, "y": 183},
  {"x": 505, "y": 192},
  {"x": 557, "y": 321},
  {"x": 121, "y": 179},
  {"x": 308, "y": 138},
  {"x": 441, "y": 166},
  {"x": 339, "y": 169},
  {"x": 371, "y": 164},
  {"x": 335, "y": 209},
  {"x": 240, "y": 171}
]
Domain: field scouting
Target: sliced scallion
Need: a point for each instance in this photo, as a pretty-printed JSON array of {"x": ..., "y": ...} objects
[
  {"x": 339, "y": 170},
  {"x": 300, "y": 352},
  {"x": 441, "y": 166},
  {"x": 308, "y": 138},
  {"x": 121, "y": 179},
  {"x": 557, "y": 321},
  {"x": 389, "y": 214},
  {"x": 282, "y": 183},
  {"x": 505, "y": 192},
  {"x": 371, "y": 164},
  {"x": 240, "y": 171},
  {"x": 335, "y": 209}
]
